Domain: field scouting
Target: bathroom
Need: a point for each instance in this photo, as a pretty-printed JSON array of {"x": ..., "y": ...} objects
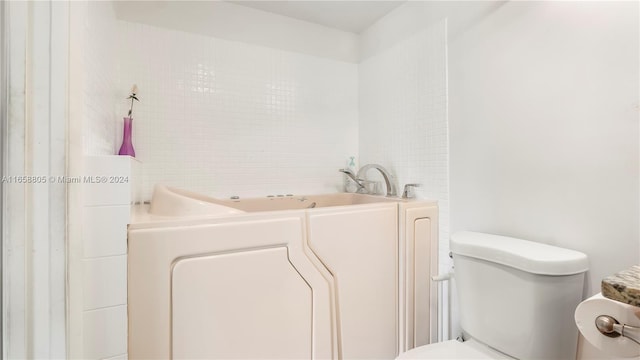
[{"x": 519, "y": 118}]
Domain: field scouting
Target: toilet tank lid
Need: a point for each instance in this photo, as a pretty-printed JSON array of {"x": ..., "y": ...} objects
[{"x": 529, "y": 256}]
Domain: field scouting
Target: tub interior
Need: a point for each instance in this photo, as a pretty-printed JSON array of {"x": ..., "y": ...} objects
[
  {"x": 169, "y": 201},
  {"x": 304, "y": 202}
]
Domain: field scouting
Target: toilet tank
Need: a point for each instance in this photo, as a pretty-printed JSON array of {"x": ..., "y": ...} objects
[{"x": 518, "y": 296}]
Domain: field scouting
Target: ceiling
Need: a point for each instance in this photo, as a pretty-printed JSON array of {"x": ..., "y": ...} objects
[{"x": 351, "y": 16}]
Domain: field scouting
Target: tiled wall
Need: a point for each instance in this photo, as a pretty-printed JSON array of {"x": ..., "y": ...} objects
[
  {"x": 227, "y": 118},
  {"x": 219, "y": 117},
  {"x": 403, "y": 118},
  {"x": 100, "y": 91},
  {"x": 106, "y": 215},
  {"x": 106, "y": 207}
]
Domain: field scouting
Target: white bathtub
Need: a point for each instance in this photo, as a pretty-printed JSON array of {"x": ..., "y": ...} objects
[{"x": 276, "y": 278}]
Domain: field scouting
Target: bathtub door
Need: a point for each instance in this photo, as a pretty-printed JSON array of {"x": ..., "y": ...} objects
[
  {"x": 247, "y": 304},
  {"x": 228, "y": 288},
  {"x": 359, "y": 246}
]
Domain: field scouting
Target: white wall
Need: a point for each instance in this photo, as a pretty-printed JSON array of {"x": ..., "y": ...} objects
[
  {"x": 228, "y": 118},
  {"x": 97, "y": 261},
  {"x": 224, "y": 20},
  {"x": 100, "y": 90},
  {"x": 403, "y": 117},
  {"x": 216, "y": 116},
  {"x": 543, "y": 112},
  {"x": 544, "y": 128},
  {"x": 414, "y": 16}
]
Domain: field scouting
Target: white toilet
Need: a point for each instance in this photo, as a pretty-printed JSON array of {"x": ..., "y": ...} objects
[{"x": 517, "y": 300}]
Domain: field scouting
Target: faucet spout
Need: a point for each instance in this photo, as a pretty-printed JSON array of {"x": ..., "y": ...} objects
[
  {"x": 388, "y": 178},
  {"x": 353, "y": 177}
]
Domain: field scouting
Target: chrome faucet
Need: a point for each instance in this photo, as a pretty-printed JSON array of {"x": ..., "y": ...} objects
[
  {"x": 355, "y": 179},
  {"x": 388, "y": 178}
]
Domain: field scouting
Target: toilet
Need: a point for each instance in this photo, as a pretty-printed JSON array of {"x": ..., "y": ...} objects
[{"x": 517, "y": 299}]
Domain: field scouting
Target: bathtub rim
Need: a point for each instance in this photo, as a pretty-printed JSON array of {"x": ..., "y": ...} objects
[{"x": 142, "y": 219}]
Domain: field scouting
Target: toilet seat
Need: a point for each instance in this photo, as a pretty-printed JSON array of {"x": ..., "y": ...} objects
[{"x": 453, "y": 349}]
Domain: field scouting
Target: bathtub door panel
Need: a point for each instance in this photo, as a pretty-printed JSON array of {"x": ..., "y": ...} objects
[
  {"x": 248, "y": 304},
  {"x": 359, "y": 247},
  {"x": 421, "y": 282},
  {"x": 419, "y": 262}
]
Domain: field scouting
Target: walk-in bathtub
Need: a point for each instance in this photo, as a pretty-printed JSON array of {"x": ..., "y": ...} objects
[{"x": 324, "y": 276}]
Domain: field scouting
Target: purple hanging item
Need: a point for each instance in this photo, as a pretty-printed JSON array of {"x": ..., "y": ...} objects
[{"x": 127, "y": 145}]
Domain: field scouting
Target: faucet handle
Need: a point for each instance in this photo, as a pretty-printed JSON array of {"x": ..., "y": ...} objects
[
  {"x": 409, "y": 191},
  {"x": 368, "y": 186}
]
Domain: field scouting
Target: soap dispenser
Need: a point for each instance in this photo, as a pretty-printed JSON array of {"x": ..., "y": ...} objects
[{"x": 349, "y": 185}]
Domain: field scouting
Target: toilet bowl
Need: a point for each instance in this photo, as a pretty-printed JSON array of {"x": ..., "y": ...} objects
[{"x": 517, "y": 300}]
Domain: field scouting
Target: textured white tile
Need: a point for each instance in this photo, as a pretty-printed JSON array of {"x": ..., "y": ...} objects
[
  {"x": 104, "y": 230},
  {"x": 101, "y": 92},
  {"x": 227, "y": 118},
  {"x": 403, "y": 117},
  {"x": 108, "y": 165},
  {"x": 105, "y": 332},
  {"x": 137, "y": 180},
  {"x": 110, "y": 180},
  {"x": 105, "y": 282}
]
